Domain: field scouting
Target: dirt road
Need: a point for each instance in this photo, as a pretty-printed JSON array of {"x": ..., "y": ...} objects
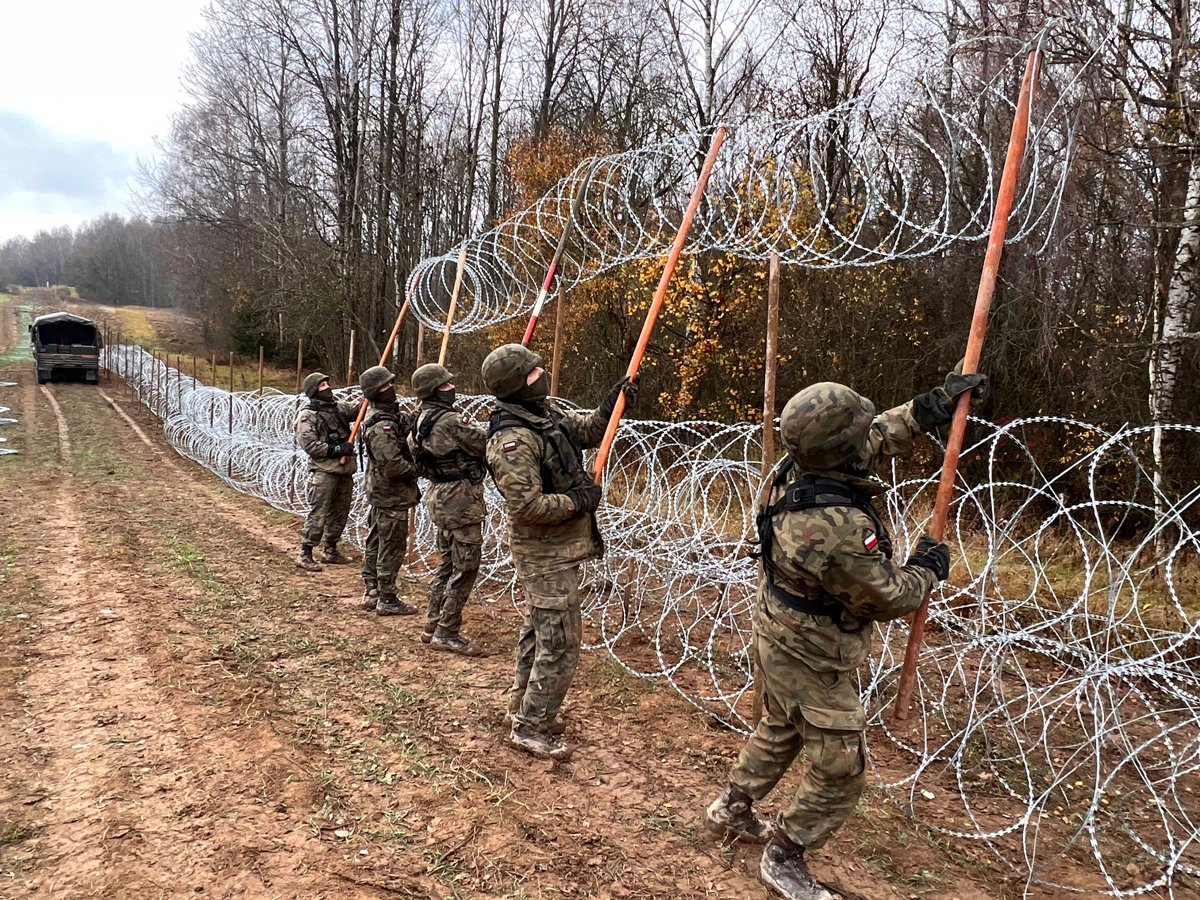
[{"x": 182, "y": 712}]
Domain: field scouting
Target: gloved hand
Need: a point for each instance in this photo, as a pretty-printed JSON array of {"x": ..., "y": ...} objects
[
  {"x": 587, "y": 498},
  {"x": 936, "y": 408},
  {"x": 932, "y": 555},
  {"x": 338, "y": 450},
  {"x": 627, "y": 386}
]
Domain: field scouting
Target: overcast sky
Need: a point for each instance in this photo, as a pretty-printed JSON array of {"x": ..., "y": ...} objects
[{"x": 85, "y": 89}]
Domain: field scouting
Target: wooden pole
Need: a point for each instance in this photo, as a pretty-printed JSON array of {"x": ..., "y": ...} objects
[
  {"x": 350, "y": 361},
  {"x": 659, "y": 296},
  {"x": 229, "y": 467},
  {"x": 260, "y": 370},
  {"x": 458, "y": 278},
  {"x": 572, "y": 215},
  {"x": 299, "y": 362},
  {"x": 768, "y": 438},
  {"x": 979, "y": 321},
  {"x": 362, "y": 407},
  {"x": 420, "y": 342},
  {"x": 556, "y": 350},
  {"x": 195, "y": 380}
]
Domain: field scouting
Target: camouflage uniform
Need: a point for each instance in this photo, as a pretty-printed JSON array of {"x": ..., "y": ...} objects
[
  {"x": 535, "y": 460},
  {"x": 808, "y": 661},
  {"x": 449, "y": 448},
  {"x": 320, "y": 427},
  {"x": 391, "y": 487},
  {"x": 827, "y": 577}
]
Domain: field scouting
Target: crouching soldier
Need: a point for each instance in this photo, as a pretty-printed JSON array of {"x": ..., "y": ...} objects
[
  {"x": 322, "y": 431},
  {"x": 827, "y": 577},
  {"x": 535, "y": 453},
  {"x": 448, "y": 447},
  {"x": 391, "y": 483}
]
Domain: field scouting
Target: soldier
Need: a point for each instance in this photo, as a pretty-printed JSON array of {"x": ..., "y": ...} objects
[
  {"x": 391, "y": 484},
  {"x": 827, "y": 576},
  {"x": 323, "y": 431},
  {"x": 449, "y": 449},
  {"x": 535, "y": 453}
]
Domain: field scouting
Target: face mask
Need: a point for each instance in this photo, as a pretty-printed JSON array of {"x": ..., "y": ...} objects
[
  {"x": 387, "y": 396},
  {"x": 446, "y": 397},
  {"x": 539, "y": 390},
  {"x": 326, "y": 395}
]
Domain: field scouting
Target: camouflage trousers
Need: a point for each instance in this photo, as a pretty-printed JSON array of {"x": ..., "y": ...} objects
[
  {"x": 834, "y": 782},
  {"x": 387, "y": 545},
  {"x": 461, "y": 550},
  {"x": 547, "y": 648},
  {"x": 329, "y": 496}
]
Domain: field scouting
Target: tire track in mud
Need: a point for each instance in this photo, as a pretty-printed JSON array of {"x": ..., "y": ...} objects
[{"x": 64, "y": 432}]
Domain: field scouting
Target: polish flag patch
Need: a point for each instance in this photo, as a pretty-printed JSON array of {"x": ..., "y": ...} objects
[
  {"x": 510, "y": 446},
  {"x": 871, "y": 541}
]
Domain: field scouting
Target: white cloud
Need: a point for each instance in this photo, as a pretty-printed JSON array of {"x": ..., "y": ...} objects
[{"x": 106, "y": 73}]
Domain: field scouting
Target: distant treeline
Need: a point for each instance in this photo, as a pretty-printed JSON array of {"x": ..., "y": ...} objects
[{"x": 110, "y": 260}]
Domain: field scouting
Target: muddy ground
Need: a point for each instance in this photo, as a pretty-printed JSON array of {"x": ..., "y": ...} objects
[{"x": 183, "y": 712}]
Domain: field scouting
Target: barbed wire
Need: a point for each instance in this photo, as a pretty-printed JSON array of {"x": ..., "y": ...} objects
[
  {"x": 891, "y": 175},
  {"x": 1057, "y": 715}
]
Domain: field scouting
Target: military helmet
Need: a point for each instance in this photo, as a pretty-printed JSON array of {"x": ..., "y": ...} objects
[
  {"x": 311, "y": 382},
  {"x": 374, "y": 380},
  {"x": 428, "y": 378},
  {"x": 505, "y": 369},
  {"x": 825, "y": 425}
]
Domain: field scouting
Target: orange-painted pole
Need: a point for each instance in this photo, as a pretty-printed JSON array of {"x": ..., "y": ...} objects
[
  {"x": 548, "y": 282},
  {"x": 659, "y": 295},
  {"x": 979, "y": 321},
  {"x": 458, "y": 278}
]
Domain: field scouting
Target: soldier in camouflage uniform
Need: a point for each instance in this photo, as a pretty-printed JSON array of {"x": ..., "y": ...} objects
[
  {"x": 828, "y": 575},
  {"x": 323, "y": 431},
  {"x": 535, "y": 453},
  {"x": 391, "y": 485},
  {"x": 448, "y": 447}
]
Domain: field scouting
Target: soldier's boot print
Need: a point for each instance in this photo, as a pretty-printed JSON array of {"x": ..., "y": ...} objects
[
  {"x": 331, "y": 556},
  {"x": 391, "y": 605},
  {"x": 541, "y": 744},
  {"x": 305, "y": 559},
  {"x": 783, "y": 868},
  {"x": 732, "y": 813},
  {"x": 452, "y": 643}
]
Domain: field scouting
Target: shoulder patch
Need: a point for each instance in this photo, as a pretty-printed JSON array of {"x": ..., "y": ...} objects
[
  {"x": 871, "y": 541},
  {"x": 387, "y": 427},
  {"x": 510, "y": 446},
  {"x": 467, "y": 419}
]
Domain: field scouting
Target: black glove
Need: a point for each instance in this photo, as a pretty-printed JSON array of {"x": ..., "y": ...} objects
[
  {"x": 932, "y": 555},
  {"x": 338, "y": 450},
  {"x": 629, "y": 387},
  {"x": 586, "y": 498},
  {"x": 936, "y": 409}
]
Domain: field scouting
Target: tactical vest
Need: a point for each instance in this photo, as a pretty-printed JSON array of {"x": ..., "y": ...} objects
[
  {"x": 563, "y": 468},
  {"x": 337, "y": 428},
  {"x": 457, "y": 465},
  {"x": 812, "y": 492},
  {"x": 382, "y": 416}
]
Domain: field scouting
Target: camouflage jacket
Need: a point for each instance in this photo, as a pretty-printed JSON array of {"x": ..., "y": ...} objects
[
  {"x": 448, "y": 447},
  {"x": 838, "y": 549},
  {"x": 391, "y": 480},
  {"x": 535, "y": 459},
  {"x": 321, "y": 424}
]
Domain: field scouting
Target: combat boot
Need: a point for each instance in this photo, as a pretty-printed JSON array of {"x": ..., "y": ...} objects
[
  {"x": 390, "y": 605},
  {"x": 452, "y": 643},
  {"x": 556, "y": 727},
  {"x": 539, "y": 743},
  {"x": 427, "y": 634},
  {"x": 784, "y": 869},
  {"x": 305, "y": 559},
  {"x": 370, "y": 598},
  {"x": 331, "y": 557},
  {"x": 732, "y": 814}
]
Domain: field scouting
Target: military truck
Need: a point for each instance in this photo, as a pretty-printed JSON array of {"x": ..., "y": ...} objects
[{"x": 65, "y": 345}]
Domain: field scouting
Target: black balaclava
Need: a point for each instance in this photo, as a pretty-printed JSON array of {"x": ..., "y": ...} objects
[
  {"x": 386, "y": 396},
  {"x": 325, "y": 396},
  {"x": 446, "y": 397},
  {"x": 534, "y": 393}
]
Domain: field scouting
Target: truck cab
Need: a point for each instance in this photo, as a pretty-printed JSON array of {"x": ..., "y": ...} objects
[{"x": 66, "y": 345}]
